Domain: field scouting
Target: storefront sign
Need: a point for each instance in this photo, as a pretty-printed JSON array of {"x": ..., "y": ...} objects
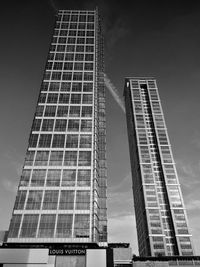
[{"x": 67, "y": 252}]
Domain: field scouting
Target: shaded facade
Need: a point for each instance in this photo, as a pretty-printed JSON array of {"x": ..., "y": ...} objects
[
  {"x": 161, "y": 219},
  {"x": 62, "y": 191}
]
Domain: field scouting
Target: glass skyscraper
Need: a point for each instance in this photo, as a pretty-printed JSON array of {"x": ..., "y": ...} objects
[
  {"x": 62, "y": 191},
  {"x": 161, "y": 219}
]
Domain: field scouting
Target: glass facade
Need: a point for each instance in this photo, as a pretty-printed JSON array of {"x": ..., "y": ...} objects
[
  {"x": 161, "y": 218},
  {"x": 62, "y": 191}
]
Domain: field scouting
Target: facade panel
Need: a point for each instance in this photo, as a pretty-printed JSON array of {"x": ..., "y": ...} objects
[
  {"x": 62, "y": 191},
  {"x": 161, "y": 218}
]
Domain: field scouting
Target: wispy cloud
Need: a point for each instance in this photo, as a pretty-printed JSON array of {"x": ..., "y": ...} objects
[
  {"x": 125, "y": 183},
  {"x": 114, "y": 92}
]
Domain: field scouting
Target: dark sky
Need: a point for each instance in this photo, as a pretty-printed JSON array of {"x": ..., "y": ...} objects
[{"x": 142, "y": 38}]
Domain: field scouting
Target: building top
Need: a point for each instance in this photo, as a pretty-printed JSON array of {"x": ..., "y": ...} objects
[{"x": 139, "y": 78}]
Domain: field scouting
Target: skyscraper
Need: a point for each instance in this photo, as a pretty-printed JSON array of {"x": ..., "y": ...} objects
[
  {"x": 161, "y": 219},
  {"x": 62, "y": 191}
]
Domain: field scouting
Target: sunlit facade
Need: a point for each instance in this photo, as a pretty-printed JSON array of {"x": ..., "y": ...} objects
[
  {"x": 62, "y": 191},
  {"x": 161, "y": 218}
]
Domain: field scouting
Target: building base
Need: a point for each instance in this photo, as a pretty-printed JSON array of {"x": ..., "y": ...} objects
[{"x": 55, "y": 255}]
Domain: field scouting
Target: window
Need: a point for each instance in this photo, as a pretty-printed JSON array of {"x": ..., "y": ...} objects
[
  {"x": 66, "y": 17},
  {"x": 90, "y": 33},
  {"x": 81, "y": 33},
  {"x": 29, "y": 225},
  {"x": 82, "y": 18},
  {"x": 56, "y": 75},
  {"x": 86, "y": 111},
  {"x": 88, "y": 76},
  {"x": 67, "y": 76},
  {"x": 62, "y": 40},
  {"x": 45, "y": 140},
  {"x": 29, "y": 158},
  {"x": 34, "y": 200},
  {"x": 50, "y": 111},
  {"x": 66, "y": 200},
  {"x": 78, "y": 66},
  {"x": 71, "y": 40},
  {"x": 50, "y": 200},
  {"x": 41, "y": 158},
  {"x": 58, "y": 140},
  {"x": 76, "y": 87},
  {"x": 33, "y": 140},
  {"x": 20, "y": 200},
  {"x": 36, "y": 125},
  {"x": 84, "y": 158},
  {"x": 65, "y": 86},
  {"x": 59, "y": 56},
  {"x": 74, "y": 17},
  {"x": 51, "y": 55},
  {"x": 85, "y": 141},
  {"x": 53, "y": 48},
  {"x": 77, "y": 76},
  {"x": 64, "y": 225},
  {"x": 82, "y": 26},
  {"x": 60, "y": 125},
  {"x": 68, "y": 177},
  {"x": 70, "y": 158},
  {"x": 62, "y": 111},
  {"x": 75, "y": 98},
  {"x": 87, "y": 87},
  {"x": 56, "y": 158},
  {"x": 14, "y": 226},
  {"x": 63, "y": 32},
  {"x": 73, "y": 125},
  {"x": 68, "y": 66},
  {"x": 53, "y": 178},
  {"x": 72, "y": 141},
  {"x": 86, "y": 125},
  {"x": 64, "y": 98},
  {"x": 81, "y": 225},
  {"x": 90, "y": 26},
  {"x": 80, "y": 40},
  {"x": 90, "y": 18},
  {"x": 74, "y": 111},
  {"x": 84, "y": 178},
  {"x": 24, "y": 181},
  {"x": 44, "y": 86},
  {"x": 58, "y": 65},
  {"x": 70, "y": 48},
  {"x": 80, "y": 48},
  {"x": 87, "y": 99},
  {"x": 47, "y": 224},
  {"x": 38, "y": 177},
  {"x": 69, "y": 57},
  {"x": 52, "y": 98},
  {"x": 89, "y": 48},
  {"x": 47, "y": 75},
  {"x": 47, "y": 125},
  {"x": 61, "y": 48},
  {"x": 89, "y": 40},
  {"x": 89, "y": 66}
]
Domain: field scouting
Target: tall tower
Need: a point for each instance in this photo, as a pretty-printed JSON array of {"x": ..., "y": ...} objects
[
  {"x": 161, "y": 219},
  {"x": 62, "y": 191}
]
